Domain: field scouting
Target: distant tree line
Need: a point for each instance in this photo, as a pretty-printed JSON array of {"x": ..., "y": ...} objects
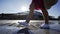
[
  {"x": 58, "y": 17},
  {"x": 23, "y": 17}
]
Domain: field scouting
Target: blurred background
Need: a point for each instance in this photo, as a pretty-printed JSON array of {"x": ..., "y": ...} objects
[
  {"x": 19, "y": 9},
  {"x": 14, "y": 11}
]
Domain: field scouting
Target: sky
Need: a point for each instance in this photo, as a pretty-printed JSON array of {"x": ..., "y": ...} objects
[{"x": 16, "y": 6}]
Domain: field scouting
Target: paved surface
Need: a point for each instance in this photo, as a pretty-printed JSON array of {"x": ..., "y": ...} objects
[{"x": 9, "y": 28}]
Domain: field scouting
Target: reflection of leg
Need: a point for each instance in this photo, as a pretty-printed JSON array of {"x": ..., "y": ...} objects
[
  {"x": 30, "y": 13},
  {"x": 46, "y": 31},
  {"x": 45, "y": 16},
  {"x": 23, "y": 31}
]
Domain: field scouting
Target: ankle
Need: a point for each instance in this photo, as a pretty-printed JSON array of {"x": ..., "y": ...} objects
[{"x": 27, "y": 21}]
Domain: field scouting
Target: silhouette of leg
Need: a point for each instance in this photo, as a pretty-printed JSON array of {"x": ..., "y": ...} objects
[
  {"x": 30, "y": 13},
  {"x": 46, "y": 18},
  {"x": 26, "y": 23}
]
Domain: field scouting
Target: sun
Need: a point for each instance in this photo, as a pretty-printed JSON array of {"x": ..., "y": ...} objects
[{"x": 24, "y": 8}]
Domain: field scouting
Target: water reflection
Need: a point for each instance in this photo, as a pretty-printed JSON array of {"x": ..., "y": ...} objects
[
  {"x": 46, "y": 31},
  {"x": 37, "y": 23}
]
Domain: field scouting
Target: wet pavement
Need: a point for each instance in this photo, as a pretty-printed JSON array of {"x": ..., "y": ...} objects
[{"x": 13, "y": 28}]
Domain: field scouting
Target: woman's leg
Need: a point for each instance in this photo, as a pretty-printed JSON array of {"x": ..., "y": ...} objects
[
  {"x": 45, "y": 16},
  {"x": 26, "y": 23},
  {"x": 30, "y": 13}
]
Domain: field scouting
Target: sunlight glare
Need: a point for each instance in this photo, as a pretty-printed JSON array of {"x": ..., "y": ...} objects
[{"x": 24, "y": 8}]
